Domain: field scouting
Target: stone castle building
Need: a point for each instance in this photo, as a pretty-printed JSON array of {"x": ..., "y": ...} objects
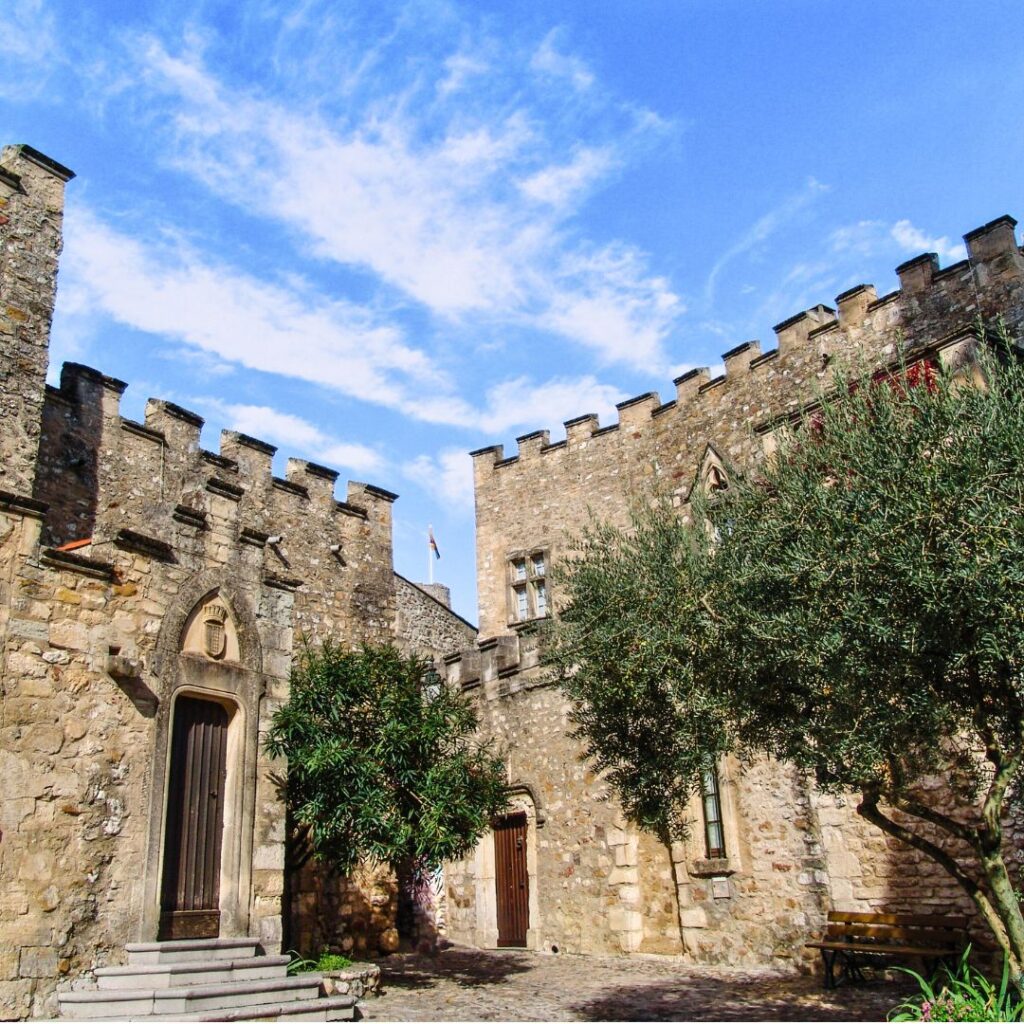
[
  {"x": 768, "y": 856},
  {"x": 152, "y": 593}
]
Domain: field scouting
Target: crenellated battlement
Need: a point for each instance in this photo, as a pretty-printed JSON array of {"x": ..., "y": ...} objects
[
  {"x": 156, "y": 480},
  {"x": 497, "y": 666},
  {"x": 931, "y": 304},
  {"x": 545, "y": 493}
]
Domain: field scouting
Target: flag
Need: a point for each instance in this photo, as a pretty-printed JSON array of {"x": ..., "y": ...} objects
[{"x": 433, "y": 543}]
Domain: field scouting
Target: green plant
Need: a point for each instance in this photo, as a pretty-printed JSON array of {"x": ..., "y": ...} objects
[
  {"x": 965, "y": 994},
  {"x": 326, "y": 961},
  {"x": 381, "y": 767},
  {"x": 332, "y": 962},
  {"x": 299, "y": 964}
]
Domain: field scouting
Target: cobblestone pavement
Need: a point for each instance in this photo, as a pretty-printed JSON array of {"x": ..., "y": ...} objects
[{"x": 460, "y": 984}]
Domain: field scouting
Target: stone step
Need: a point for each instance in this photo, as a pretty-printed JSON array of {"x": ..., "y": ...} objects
[
  {"x": 111, "y": 1004},
  {"x": 190, "y": 950},
  {"x": 323, "y": 1009},
  {"x": 191, "y": 972}
]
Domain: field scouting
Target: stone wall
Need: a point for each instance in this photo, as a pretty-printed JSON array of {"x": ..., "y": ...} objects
[
  {"x": 597, "y": 885},
  {"x": 425, "y": 624},
  {"x": 600, "y": 885},
  {"x": 116, "y": 537},
  {"x": 31, "y": 214}
]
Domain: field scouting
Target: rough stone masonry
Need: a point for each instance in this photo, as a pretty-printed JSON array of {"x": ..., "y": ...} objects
[{"x": 143, "y": 579}]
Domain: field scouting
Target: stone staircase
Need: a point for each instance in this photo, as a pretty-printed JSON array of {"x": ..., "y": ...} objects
[{"x": 203, "y": 979}]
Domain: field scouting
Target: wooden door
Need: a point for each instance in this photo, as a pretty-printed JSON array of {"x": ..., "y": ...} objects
[
  {"x": 190, "y": 893},
  {"x": 511, "y": 879}
]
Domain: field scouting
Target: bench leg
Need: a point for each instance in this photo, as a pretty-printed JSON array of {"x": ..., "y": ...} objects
[{"x": 829, "y": 958}]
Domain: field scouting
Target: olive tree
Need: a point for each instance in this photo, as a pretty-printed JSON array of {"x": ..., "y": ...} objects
[{"x": 855, "y": 608}]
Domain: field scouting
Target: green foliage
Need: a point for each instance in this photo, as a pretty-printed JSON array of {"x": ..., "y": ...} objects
[
  {"x": 866, "y": 592},
  {"x": 965, "y": 994},
  {"x": 299, "y": 964},
  {"x": 379, "y": 768},
  {"x": 326, "y": 961},
  {"x": 642, "y": 705},
  {"x": 855, "y": 610}
]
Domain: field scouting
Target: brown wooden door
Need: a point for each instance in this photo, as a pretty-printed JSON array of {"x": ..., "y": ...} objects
[
  {"x": 190, "y": 894},
  {"x": 511, "y": 880}
]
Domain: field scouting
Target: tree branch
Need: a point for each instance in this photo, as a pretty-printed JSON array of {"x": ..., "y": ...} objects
[
  {"x": 937, "y": 818},
  {"x": 868, "y": 809}
]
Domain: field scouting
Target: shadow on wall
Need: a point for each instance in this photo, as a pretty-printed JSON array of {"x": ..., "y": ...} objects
[{"x": 354, "y": 914}]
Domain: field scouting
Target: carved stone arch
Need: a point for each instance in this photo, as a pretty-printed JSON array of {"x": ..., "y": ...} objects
[
  {"x": 237, "y": 683},
  {"x": 713, "y": 473},
  {"x": 525, "y": 789},
  {"x": 196, "y": 590}
]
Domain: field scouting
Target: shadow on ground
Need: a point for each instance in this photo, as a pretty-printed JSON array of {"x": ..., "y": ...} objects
[
  {"x": 460, "y": 984},
  {"x": 732, "y": 999},
  {"x": 467, "y": 968}
]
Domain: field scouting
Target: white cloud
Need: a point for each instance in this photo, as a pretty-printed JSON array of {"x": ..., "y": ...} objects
[
  {"x": 875, "y": 237},
  {"x": 913, "y": 239},
  {"x": 522, "y": 402},
  {"x": 461, "y": 69},
  {"x": 28, "y": 49},
  {"x": 448, "y": 476},
  {"x": 294, "y": 433},
  {"x": 466, "y": 215},
  {"x": 169, "y": 290},
  {"x": 548, "y": 60},
  {"x": 560, "y": 185},
  {"x": 225, "y": 317}
]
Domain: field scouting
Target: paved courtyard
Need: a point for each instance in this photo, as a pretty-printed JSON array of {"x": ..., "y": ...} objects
[{"x": 460, "y": 984}]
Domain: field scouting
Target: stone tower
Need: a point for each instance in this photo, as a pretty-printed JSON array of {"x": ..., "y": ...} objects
[{"x": 31, "y": 215}]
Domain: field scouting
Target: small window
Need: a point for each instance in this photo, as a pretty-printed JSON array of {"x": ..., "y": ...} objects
[
  {"x": 528, "y": 598},
  {"x": 714, "y": 836}
]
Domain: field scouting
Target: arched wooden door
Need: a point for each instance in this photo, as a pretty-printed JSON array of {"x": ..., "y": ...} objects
[
  {"x": 511, "y": 880},
  {"x": 190, "y": 892}
]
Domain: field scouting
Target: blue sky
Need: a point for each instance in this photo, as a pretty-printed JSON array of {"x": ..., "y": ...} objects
[{"x": 380, "y": 235}]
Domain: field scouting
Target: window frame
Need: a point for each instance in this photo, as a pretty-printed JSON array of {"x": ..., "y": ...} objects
[
  {"x": 524, "y": 579},
  {"x": 712, "y": 793}
]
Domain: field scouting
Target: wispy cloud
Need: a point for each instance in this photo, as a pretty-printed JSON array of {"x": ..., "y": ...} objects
[
  {"x": 877, "y": 237},
  {"x": 762, "y": 229},
  {"x": 227, "y": 317},
  {"x": 464, "y": 210},
  {"x": 170, "y": 291},
  {"x": 448, "y": 476},
  {"x": 913, "y": 239},
  {"x": 549, "y": 60},
  {"x": 28, "y": 49}
]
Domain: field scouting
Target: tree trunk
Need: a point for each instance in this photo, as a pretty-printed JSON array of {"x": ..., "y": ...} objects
[
  {"x": 993, "y": 896},
  {"x": 1005, "y": 907}
]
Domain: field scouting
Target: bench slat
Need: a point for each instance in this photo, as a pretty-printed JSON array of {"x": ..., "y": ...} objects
[
  {"x": 883, "y": 950},
  {"x": 888, "y": 933},
  {"x": 956, "y": 922}
]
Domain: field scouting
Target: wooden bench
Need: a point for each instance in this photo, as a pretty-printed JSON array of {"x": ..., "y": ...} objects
[{"x": 857, "y": 939}]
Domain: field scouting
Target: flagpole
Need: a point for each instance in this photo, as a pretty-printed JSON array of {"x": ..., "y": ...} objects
[{"x": 430, "y": 555}]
